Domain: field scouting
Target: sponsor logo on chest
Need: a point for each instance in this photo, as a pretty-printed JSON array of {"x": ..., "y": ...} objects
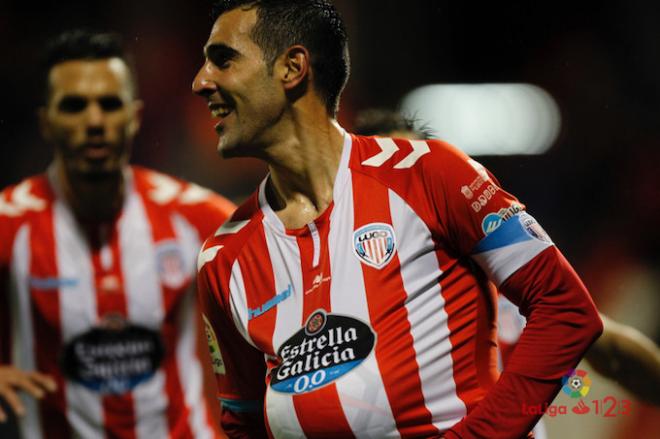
[
  {"x": 374, "y": 244},
  {"x": 114, "y": 357},
  {"x": 326, "y": 348}
]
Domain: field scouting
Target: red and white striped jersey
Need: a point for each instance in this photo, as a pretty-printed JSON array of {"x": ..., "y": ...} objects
[
  {"x": 374, "y": 320},
  {"x": 108, "y": 311}
]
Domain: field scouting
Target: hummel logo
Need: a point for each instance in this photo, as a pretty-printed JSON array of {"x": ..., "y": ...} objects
[
  {"x": 272, "y": 303},
  {"x": 52, "y": 283},
  {"x": 318, "y": 280}
]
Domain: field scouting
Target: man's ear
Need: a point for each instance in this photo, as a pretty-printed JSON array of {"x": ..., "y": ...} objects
[
  {"x": 136, "y": 122},
  {"x": 294, "y": 66}
]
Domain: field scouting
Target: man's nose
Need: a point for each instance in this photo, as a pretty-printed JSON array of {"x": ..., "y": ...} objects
[
  {"x": 95, "y": 115},
  {"x": 202, "y": 84}
]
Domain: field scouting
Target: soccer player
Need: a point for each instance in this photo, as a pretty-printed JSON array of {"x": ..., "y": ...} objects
[
  {"x": 97, "y": 260},
  {"x": 354, "y": 280}
]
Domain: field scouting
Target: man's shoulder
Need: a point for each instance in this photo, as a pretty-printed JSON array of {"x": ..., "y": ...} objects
[
  {"x": 171, "y": 192},
  {"x": 232, "y": 236},
  {"x": 29, "y": 196},
  {"x": 20, "y": 204},
  {"x": 394, "y": 159}
]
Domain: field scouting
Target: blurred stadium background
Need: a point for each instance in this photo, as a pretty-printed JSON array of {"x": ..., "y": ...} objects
[{"x": 596, "y": 190}]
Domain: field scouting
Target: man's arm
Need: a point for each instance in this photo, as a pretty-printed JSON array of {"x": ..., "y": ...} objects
[
  {"x": 628, "y": 357},
  {"x": 239, "y": 368},
  {"x": 561, "y": 324},
  {"x": 481, "y": 220}
]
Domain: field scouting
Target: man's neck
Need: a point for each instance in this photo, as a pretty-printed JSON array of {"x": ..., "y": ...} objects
[
  {"x": 303, "y": 169},
  {"x": 93, "y": 200}
]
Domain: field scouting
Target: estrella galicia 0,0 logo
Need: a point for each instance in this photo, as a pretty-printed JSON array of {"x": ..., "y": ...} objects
[{"x": 326, "y": 348}]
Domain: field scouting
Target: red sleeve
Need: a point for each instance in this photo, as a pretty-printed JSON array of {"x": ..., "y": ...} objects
[
  {"x": 468, "y": 201},
  {"x": 239, "y": 368},
  {"x": 476, "y": 217},
  {"x": 6, "y": 243},
  {"x": 562, "y": 322}
]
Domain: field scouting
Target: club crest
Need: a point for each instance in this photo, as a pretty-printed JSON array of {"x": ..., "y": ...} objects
[
  {"x": 171, "y": 265},
  {"x": 375, "y": 244}
]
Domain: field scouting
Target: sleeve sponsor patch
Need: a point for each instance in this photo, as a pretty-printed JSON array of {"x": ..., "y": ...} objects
[{"x": 214, "y": 348}]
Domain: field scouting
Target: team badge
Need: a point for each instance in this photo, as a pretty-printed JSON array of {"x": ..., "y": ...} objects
[
  {"x": 170, "y": 263},
  {"x": 375, "y": 244}
]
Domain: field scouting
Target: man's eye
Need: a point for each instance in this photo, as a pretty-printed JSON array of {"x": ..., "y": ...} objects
[
  {"x": 221, "y": 62},
  {"x": 72, "y": 104},
  {"x": 110, "y": 103}
]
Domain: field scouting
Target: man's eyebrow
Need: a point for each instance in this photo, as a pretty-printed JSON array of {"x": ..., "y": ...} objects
[{"x": 220, "y": 50}]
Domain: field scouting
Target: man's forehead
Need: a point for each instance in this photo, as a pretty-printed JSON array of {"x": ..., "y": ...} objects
[
  {"x": 233, "y": 28},
  {"x": 90, "y": 75}
]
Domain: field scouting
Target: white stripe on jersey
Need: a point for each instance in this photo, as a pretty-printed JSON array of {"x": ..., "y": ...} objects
[
  {"x": 361, "y": 392},
  {"x": 191, "y": 371},
  {"x": 189, "y": 242},
  {"x": 188, "y": 363},
  {"x": 284, "y": 256},
  {"x": 426, "y": 313},
  {"x": 84, "y": 411},
  {"x": 144, "y": 295},
  {"x": 144, "y": 303},
  {"x": 281, "y": 413},
  {"x": 73, "y": 258},
  {"x": 77, "y": 314},
  {"x": 22, "y": 329},
  {"x": 238, "y": 302},
  {"x": 150, "y": 425}
]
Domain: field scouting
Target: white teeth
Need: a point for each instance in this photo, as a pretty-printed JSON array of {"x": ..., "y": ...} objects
[{"x": 220, "y": 112}]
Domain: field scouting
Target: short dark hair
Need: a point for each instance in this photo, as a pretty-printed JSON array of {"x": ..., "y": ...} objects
[
  {"x": 84, "y": 44},
  {"x": 382, "y": 121},
  {"x": 314, "y": 24}
]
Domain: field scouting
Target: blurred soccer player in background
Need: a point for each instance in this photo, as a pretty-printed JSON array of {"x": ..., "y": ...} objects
[
  {"x": 621, "y": 353},
  {"x": 358, "y": 268},
  {"x": 97, "y": 260}
]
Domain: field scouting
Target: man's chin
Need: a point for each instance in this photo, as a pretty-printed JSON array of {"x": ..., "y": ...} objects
[
  {"x": 96, "y": 172},
  {"x": 226, "y": 150},
  {"x": 229, "y": 150}
]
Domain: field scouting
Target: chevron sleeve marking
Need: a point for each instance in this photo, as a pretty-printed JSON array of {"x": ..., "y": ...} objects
[
  {"x": 420, "y": 148},
  {"x": 21, "y": 201},
  {"x": 231, "y": 227},
  {"x": 165, "y": 188},
  {"x": 207, "y": 255},
  {"x": 388, "y": 148}
]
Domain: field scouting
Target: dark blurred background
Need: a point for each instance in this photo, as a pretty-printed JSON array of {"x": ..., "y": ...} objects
[{"x": 596, "y": 191}]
